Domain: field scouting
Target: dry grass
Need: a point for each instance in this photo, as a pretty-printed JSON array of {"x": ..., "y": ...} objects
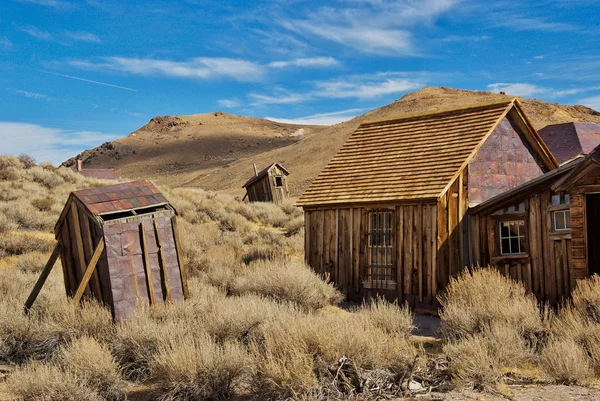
[
  {"x": 197, "y": 368},
  {"x": 586, "y": 298},
  {"x": 565, "y": 361}
]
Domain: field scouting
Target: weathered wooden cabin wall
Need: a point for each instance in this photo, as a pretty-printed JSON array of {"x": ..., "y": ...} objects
[
  {"x": 279, "y": 193},
  {"x": 546, "y": 269},
  {"x": 504, "y": 161},
  {"x": 260, "y": 190},
  {"x": 336, "y": 245}
]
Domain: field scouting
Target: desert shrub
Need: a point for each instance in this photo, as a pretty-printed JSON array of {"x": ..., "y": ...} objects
[
  {"x": 47, "y": 166},
  {"x": 7, "y": 161},
  {"x": 45, "y": 177},
  {"x": 135, "y": 344},
  {"x": 471, "y": 362},
  {"x": 23, "y": 242},
  {"x": 294, "y": 226},
  {"x": 263, "y": 252},
  {"x": 43, "y": 204},
  {"x": 188, "y": 368},
  {"x": 94, "y": 365},
  {"x": 37, "y": 381},
  {"x": 586, "y": 298},
  {"x": 26, "y": 160},
  {"x": 32, "y": 262},
  {"x": 9, "y": 174},
  {"x": 471, "y": 302},
  {"x": 564, "y": 360},
  {"x": 27, "y": 217},
  {"x": 388, "y": 316},
  {"x": 6, "y": 224},
  {"x": 288, "y": 207},
  {"x": 290, "y": 281}
]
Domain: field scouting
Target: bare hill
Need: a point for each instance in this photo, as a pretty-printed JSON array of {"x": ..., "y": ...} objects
[{"x": 221, "y": 158}]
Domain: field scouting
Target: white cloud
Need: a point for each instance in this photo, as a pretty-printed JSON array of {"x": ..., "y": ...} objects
[
  {"x": 48, "y": 3},
  {"x": 36, "y": 33},
  {"x": 309, "y": 62},
  {"x": 468, "y": 39},
  {"x": 368, "y": 86},
  {"x": 322, "y": 118},
  {"x": 47, "y": 144},
  {"x": 83, "y": 36},
  {"x": 516, "y": 89},
  {"x": 510, "y": 20},
  {"x": 196, "y": 68},
  {"x": 593, "y": 102},
  {"x": 229, "y": 103},
  {"x": 32, "y": 95},
  {"x": 5, "y": 44}
]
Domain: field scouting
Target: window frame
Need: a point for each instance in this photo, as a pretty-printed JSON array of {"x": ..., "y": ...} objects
[
  {"x": 522, "y": 238},
  {"x": 380, "y": 242},
  {"x": 278, "y": 178},
  {"x": 566, "y": 221}
]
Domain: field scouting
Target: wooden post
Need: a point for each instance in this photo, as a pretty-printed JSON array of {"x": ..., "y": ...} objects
[
  {"x": 163, "y": 263},
  {"x": 182, "y": 271},
  {"x": 43, "y": 277},
  {"x": 89, "y": 271},
  {"x": 147, "y": 266}
]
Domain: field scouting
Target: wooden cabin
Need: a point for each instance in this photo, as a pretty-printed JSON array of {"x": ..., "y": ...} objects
[
  {"x": 118, "y": 244},
  {"x": 546, "y": 232},
  {"x": 388, "y": 214},
  {"x": 98, "y": 173},
  {"x": 268, "y": 185}
]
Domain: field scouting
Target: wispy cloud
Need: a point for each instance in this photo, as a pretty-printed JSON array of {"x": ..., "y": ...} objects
[
  {"x": 127, "y": 112},
  {"x": 45, "y": 143},
  {"x": 36, "y": 33},
  {"x": 367, "y": 86},
  {"x": 83, "y": 36},
  {"x": 229, "y": 103},
  {"x": 49, "y": 3},
  {"x": 510, "y": 20},
  {"x": 5, "y": 44},
  {"x": 467, "y": 39},
  {"x": 593, "y": 102},
  {"x": 197, "y": 68},
  {"x": 321, "y": 118},
  {"x": 371, "y": 26},
  {"x": 307, "y": 62},
  {"x": 516, "y": 89},
  {"x": 31, "y": 95}
]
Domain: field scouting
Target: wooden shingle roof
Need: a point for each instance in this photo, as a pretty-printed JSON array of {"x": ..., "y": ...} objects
[{"x": 411, "y": 158}]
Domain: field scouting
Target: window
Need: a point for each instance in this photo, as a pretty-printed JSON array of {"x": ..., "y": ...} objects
[
  {"x": 278, "y": 181},
  {"x": 512, "y": 237},
  {"x": 381, "y": 272},
  {"x": 561, "y": 220}
]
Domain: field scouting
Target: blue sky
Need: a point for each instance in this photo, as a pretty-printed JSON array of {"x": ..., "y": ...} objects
[{"x": 74, "y": 74}]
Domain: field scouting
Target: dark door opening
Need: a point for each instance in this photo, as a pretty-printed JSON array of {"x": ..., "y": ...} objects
[{"x": 593, "y": 232}]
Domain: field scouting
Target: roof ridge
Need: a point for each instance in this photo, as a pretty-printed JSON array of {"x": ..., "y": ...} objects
[{"x": 415, "y": 116}]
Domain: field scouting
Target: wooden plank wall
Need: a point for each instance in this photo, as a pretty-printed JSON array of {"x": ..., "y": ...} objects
[
  {"x": 578, "y": 233},
  {"x": 335, "y": 246},
  {"x": 546, "y": 269},
  {"x": 260, "y": 191}
]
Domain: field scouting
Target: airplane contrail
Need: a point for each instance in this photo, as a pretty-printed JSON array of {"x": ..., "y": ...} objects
[{"x": 88, "y": 80}]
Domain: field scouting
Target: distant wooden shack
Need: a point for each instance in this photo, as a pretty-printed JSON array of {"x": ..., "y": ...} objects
[
  {"x": 118, "y": 244},
  {"x": 98, "y": 173},
  {"x": 268, "y": 185},
  {"x": 389, "y": 214}
]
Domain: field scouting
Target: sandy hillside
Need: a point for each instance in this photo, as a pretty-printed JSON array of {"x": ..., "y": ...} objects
[{"x": 225, "y": 146}]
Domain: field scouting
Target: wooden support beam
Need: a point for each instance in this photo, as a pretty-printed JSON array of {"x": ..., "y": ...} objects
[
  {"x": 182, "y": 271},
  {"x": 147, "y": 266},
  {"x": 163, "y": 263},
  {"x": 89, "y": 271},
  {"x": 43, "y": 277}
]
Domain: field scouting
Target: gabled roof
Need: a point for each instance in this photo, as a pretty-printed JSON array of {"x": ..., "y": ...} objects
[
  {"x": 528, "y": 188},
  {"x": 264, "y": 172},
  {"x": 416, "y": 157},
  {"x": 99, "y": 173},
  {"x": 583, "y": 172},
  {"x": 570, "y": 140},
  {"x": 120, "y": 197}
]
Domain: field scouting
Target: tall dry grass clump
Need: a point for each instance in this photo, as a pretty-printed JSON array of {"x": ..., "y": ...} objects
[
  {"x": 197, "y": 368},
  {"x": 566, "y": 361}
]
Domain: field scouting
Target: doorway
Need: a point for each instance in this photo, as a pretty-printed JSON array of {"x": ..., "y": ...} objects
[{"x": 592, "y": 202}]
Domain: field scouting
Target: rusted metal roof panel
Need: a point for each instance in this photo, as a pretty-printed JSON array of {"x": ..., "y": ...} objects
[
  {"x": 264, "y": 172},
  {"x": 120, "y": 197},
  {"x": 570, "y": 140},
  {"x": 404, "y": 159},
  {"x": 99, "y": 173}
]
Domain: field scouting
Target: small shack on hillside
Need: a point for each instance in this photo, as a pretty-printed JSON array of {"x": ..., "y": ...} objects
[
  {"x": 98, "y": 173},
  {"x": 118, "y": 244},
  {"x": 546, "y": 232},
  {"x": 389, "y": 212},
  {"x": 571, "y": 140},
  {"x": 268, "y": 185}
]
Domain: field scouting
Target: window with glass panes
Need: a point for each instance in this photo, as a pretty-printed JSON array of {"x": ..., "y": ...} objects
[
  {"x": 561, "y": 220},
  {"x": 512, "y": 237},
  {"x": 381, "y": 270}
]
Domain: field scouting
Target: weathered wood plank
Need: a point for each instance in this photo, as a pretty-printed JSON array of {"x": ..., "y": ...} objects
[
  {"x": 163, "y": 264},
  {"x": 182, "y": 269},
  {"x": 43, "y": 277},
  {"x": 147, "y": 267},
  {"x": 77, "y": 243},
  {"x": 88, "y": 272},
  {"x": 408, "y": 216},
  {"x": 88, "y": 245},
  {"x": 442, "y": 243},
  {"x": 417, "y": 276},
  {"x": 356, "y": 236}
]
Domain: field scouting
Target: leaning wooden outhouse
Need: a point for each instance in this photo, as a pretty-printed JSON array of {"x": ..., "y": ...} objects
[
  {"x": 268, "y": 185},
  {"x": 118, "y": 244}
]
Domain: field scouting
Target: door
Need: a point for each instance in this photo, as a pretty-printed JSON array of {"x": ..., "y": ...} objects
[{"x": 593, "y": 232}]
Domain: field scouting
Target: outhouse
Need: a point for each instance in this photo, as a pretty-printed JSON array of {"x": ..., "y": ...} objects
[{"x": 268, "y": 185}]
